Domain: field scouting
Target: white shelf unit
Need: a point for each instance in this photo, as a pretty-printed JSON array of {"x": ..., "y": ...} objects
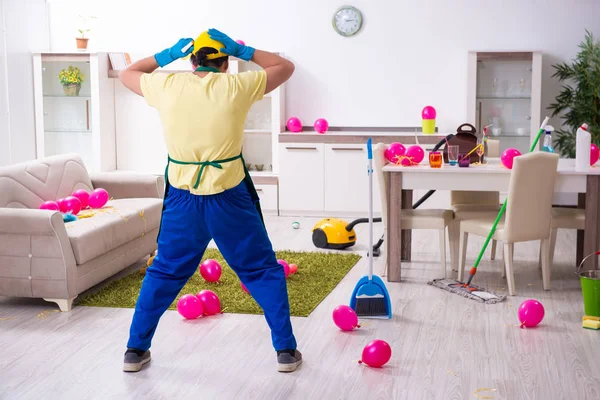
[
  {"x": 505, "y": 88},
  {"x": 83, "y": 124}
]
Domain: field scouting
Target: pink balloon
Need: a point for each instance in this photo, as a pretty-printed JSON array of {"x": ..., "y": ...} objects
[
  {"x": 428, "y": 113},
  {"x": 240, "y": 42},
  {"x": 594, "y": 154},
  {"x": 531, "y": 313},
  {"x": 394, "y": 152},
  {"x": 345, "y": 318},
  {"x": 405, "y": 162},
  {"x": 83, "y": 197},
  {"x": 210, "y": 270},
  {"x": 415, "y": 154},
  {"x": 294, "y": 125},
  {"x": 210, "y": 301},
  {"x": 98, "y": 198},
  {"x": 286, "y": 267},
  {"x": 244, "y": 288},
  {"x": 321, "y": 125},
  {"x": 189, "y": 306},
  {"x": 50, "y": 205},
  {"x": 508, "y": 157},
  {"x": 376, "y": 354},
  {"x": 293, "y": 269},
  {"x": 61, "y": 205},
  {"x": 72, "y": 205}
]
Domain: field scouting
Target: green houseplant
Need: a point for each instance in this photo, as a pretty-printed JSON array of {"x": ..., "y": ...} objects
[
  {"x": 85, "y": 22},
  {"x": 71, "y": 78},
  {"x": 579, "y": 100}
]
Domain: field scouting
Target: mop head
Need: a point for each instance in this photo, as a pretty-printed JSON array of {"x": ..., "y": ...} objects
[{"x": 471, "y": 292}]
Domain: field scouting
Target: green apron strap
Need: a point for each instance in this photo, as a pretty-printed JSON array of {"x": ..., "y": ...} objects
[{"x": 202, "y": 164}]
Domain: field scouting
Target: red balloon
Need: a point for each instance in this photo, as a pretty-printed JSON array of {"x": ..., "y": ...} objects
[
  {"x": 83, "y": 197},
  {"x": 594, "y": 154},
  {"x": 50, "y": 205},
  {"x": 286, "y": 267},
  {"x": 293, "y": 269},
  {"x": 210, "y": 301},
  {"x": 345, "y": 318},
  {"x": 72, "y": 205},
  {"x": 376, "y": 354},
  {"x": 210, "y": 270},
  {"x": 508, "y": 157},
  {"x": 61, "y": 205},
  {"x": 189, "y": 306}
]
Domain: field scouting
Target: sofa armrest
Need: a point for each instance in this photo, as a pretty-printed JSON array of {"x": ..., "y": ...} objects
[
  {"x": 129, "y": 185},
  {"x": 36, "y": 255}
]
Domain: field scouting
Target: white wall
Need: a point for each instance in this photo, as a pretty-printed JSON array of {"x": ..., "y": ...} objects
[
  {"x": 25, "y": 31},
  {"x": 409, "y": 54}
]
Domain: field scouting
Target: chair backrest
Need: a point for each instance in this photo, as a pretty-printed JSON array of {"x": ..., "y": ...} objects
[
  {"x": 493, "y": 148},
  {"x": 530, "y": 193},
  {"x": 379, "y": 162},
  {"x": 29, "y": 184}
]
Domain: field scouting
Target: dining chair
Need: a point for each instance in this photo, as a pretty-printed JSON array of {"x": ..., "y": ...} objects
[
  {"x": 434, "y": 219},
  {"x": 563, "y": 218},
  {"x": 528, "y": 214}
]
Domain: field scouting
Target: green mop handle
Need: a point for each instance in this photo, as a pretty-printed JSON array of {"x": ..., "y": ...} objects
[{"x": 473, "y": 270}]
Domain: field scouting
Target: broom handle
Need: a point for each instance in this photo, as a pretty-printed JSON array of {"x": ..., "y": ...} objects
[
  {"x": 370, "y": 173},
  {"x": 503, "y": 208}
]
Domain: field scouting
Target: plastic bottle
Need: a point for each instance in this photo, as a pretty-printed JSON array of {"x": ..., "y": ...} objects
[
  {"x": 547, "y": 147},
  {"x": 583, "y": 144}
]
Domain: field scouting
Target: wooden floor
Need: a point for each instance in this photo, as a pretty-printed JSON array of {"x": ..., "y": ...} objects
[{"x": 444, "y": 346}]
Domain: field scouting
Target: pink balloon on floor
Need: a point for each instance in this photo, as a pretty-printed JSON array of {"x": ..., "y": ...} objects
[
  {"x": 210, "y": 301},
  {"x": 508, "y": 157},
  {"x": 98, "y": 198},
  {"x": 321, "y": 125},
  {"x": 61, "y": 205},
  {"x": 210, "y": 270},
  {"x": 83, "y": 197},
  {"x": 244, "y": 288},
  {"x": 594, "y": 154},
  {"x": 531, "y": 313},
  {"x": 428, "y": 113},
  {"x": 345, "y": 318},
  {"x": 50, "y": 205},
  {"x": 72, "y": 205},
  {"x": 394, "y": 152},
  {"x": 415, "y": 154},
  {"x": 286, "y": 267},
  {"x": 294, "y": 125},
  {"x": 189, "y": 306},
  {"x": 293, "y": 269},
  {"x": 376, "y": 354}
]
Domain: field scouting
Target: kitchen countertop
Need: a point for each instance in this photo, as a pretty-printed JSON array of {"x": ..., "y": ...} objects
[{"x": 359, "y": 137}]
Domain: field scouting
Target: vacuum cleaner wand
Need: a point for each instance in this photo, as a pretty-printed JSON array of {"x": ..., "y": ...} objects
[{"x": 473, "y": 270}]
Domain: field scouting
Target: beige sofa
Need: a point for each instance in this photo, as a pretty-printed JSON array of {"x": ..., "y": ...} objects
[{"x": 42, "y": 257}]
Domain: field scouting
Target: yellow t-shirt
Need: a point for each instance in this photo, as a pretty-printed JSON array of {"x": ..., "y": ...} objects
[{"x": 203, "y": 120}]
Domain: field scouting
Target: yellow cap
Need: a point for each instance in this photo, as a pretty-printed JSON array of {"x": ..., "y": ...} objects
[{"x": 204, "y": 40}]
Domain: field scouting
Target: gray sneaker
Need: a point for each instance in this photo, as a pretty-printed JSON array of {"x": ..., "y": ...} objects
[
  {"x": 287, "y": 362},
  {"x": 133, "y": 361}
]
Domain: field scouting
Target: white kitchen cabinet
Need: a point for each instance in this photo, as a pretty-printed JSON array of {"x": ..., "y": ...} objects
[
  {"x": 346, "y": 182},
  {"x": 268, "y": 198},
  {"x": 81, "y": 122},
  {"x": 301, "y": 183}
]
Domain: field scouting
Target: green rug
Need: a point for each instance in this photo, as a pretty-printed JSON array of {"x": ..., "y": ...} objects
[{"x": 318, "y": 274}]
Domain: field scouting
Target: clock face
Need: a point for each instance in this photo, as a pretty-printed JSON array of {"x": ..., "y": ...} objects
[{"x": 347, "y": 21}]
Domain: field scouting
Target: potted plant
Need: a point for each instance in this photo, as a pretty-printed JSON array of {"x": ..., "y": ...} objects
[
  {"x": 85, "y": 21},
  {"x": 71, "y": 78},
  {"x": 579, "y": 100}
]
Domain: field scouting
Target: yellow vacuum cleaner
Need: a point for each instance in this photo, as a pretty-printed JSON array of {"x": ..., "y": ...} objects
[{"x": 337, "y": 234}]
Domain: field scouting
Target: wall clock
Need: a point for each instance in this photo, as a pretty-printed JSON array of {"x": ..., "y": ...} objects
[{"x": 347, "y": 21}]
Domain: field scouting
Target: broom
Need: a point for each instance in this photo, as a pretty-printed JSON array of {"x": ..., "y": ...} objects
[{"x": 370, "y": 298}]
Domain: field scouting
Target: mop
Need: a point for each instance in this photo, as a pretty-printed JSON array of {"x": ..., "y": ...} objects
[
  {"x": 467, "y": 289},
  {"x": 370, "y": 298}
]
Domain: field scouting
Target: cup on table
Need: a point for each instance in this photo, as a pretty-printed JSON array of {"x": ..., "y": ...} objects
[
  {"x": 464, "y": 160},
  {"x": 435, "y": 159},
  {"x": 453, "y": 155}
]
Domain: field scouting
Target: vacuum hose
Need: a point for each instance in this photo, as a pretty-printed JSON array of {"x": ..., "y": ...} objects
[{"x": 429, "y": 193}]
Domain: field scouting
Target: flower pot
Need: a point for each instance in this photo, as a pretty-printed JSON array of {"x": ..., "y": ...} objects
[
  {"x": 72, "y": 89},
  {"x": 82, "y": 43}
]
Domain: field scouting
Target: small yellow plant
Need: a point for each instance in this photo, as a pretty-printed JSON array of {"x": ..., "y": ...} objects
[{"x": 71, "y": 76}]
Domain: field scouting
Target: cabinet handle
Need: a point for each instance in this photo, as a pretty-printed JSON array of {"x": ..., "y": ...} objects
[
  {"x": 300, "y": 148},
  {"x": 87, "y": 114},
  {"x": 347, "y": 148},
  {"x": 259, "y": 190}
]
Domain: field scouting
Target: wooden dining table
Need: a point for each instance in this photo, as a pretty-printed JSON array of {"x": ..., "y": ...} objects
[{"x": 493, "y": 177}]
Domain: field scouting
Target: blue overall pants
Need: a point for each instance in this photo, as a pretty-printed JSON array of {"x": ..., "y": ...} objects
[{"x": 188, "y": 224}]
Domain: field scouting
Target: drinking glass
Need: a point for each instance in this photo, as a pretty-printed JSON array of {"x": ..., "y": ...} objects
[
  {"x": 435, "y": 159},
  {"x": 453, "y": 155},
  {"x": 480, "y": 147},
  {"x": 464, "y": 160}
]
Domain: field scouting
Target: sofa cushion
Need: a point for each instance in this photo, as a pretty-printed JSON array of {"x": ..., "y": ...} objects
[
  {"x": 118, "y": 223},
  {"x": 29, "y": 184}
]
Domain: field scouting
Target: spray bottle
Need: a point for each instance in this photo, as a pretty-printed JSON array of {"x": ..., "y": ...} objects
[
  {"x": 583, "y": 145},
  {"x": 547, "y": 147}
]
